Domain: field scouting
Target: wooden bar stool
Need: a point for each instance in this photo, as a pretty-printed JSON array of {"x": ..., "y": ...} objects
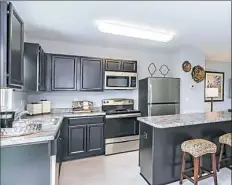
[
  {"x": 225, "y": 139},
  {"x": 197, "y": 148}
]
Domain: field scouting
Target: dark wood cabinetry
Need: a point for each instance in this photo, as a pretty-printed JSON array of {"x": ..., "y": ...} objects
[
  {"x": 64, "y": 71},
  {"x": 120, "y": 65},
  {"x": 83, "y": 137},
  {"x": 91, "y": 74},
  {"x": 35, "y": 68}
]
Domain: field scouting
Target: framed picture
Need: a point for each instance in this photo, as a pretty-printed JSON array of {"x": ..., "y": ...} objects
[{"x": 215, "y": 80}]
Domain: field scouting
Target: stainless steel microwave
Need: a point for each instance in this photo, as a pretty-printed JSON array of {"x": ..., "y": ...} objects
[{"x": 120, "y": 80}]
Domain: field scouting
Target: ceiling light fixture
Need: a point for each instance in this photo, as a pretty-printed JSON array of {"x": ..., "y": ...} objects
[{"x": 134, "y": 31}]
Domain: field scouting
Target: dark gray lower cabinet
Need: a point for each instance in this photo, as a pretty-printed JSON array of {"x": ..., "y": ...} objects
[
  {"x": 83, "y": 137},
  {"x": 76, "y": 140},
  {"x": 95, "y": 138}
]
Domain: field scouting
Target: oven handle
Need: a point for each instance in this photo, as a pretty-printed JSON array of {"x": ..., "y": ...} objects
[{"x": 123, "y": 115}]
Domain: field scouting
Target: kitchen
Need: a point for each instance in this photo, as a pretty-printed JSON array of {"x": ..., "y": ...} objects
[{"x": 63, "y": 100}]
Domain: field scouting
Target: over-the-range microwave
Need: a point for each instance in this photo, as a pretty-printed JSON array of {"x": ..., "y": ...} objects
[{"x": 120, "y": 80}]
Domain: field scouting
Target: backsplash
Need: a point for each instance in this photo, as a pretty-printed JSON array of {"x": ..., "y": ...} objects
[{"x": 64, "y": 99}]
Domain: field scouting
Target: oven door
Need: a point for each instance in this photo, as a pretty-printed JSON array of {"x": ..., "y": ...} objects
[{"x": 121, "y": 127}]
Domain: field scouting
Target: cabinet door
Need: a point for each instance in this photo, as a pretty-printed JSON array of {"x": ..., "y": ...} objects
[
  {"x": 95, "y": 139},
  {"x": 64, "y": 73},
  {"x": 91, "y": 74},
  {"x": 129, "y": 66},
  {"x": 76, "y": 140},
  {"x": 42, "y": 70},
  {"x": 112, "y": 65},
  {"x": 15, "y": 50}
]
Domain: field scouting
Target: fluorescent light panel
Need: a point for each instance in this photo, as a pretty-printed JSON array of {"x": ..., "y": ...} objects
[{"x": 133, "y": 31}]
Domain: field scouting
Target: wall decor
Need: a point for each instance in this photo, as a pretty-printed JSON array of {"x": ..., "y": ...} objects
[
  {"x": 186, "y": 66},
  {"x": 215, "y": 80},
  {"x": 198, "y": 73},
  {"x": 152, "y": 69},
  {"x": 164, "y": 70}
]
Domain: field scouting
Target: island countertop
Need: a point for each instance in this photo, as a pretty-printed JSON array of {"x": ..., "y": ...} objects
[
  {"x": 178, "y": 120},
  {"x": 49, "y": 130}
]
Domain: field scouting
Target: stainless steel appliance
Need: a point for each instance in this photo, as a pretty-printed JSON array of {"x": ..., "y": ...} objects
[
  {"x": 121, "y": 127},
  {"x": 159, "y": 96},
  {"x": 120, "y": 80}
]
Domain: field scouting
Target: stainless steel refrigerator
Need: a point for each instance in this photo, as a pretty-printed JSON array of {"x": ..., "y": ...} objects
[{"x": 159, "y": 96}]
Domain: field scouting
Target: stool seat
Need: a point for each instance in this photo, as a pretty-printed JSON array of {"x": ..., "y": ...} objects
[
  {"x": 226, "y": 139},
  {"x": 198, "y": 147}
]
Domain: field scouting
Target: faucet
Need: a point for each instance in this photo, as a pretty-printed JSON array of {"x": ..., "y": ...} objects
[{"x": 20, "y": 114}]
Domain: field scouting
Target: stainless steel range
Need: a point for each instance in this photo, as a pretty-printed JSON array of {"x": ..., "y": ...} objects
[{"x": 122, "y": 127}]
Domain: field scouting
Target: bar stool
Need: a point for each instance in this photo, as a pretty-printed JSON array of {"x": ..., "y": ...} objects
[
  {"x": 225, "y": 139},
  {"x": 197, "y": 148}
]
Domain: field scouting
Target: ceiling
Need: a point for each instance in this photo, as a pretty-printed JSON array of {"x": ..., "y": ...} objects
[{"x": 204, "y": 24}]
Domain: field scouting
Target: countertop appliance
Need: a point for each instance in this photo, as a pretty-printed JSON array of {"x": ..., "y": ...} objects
[
  {"x": 159, "y": 96},
  {"x": 7, "y": 118},
  {"x": 35, "y": 108},
  {"x": 120, "y": 80},
  {"x": 46, "y": 106},
  {"x": 121, "y": 126}
]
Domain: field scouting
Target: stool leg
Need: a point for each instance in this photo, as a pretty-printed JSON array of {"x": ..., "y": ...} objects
[
  {"x": 196, "y": 170},
  {"x": 220, "y": 156},
  {"x": 182, "y": 167},
  {"x": 213, "y": 159},
  {"x": 200, "y": 168}
]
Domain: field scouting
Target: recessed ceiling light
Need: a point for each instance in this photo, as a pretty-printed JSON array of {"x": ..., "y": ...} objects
[{"x": 134, "y": 31}]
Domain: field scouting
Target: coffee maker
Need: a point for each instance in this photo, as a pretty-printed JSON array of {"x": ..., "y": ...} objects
[{"x": 7, "y": 118}]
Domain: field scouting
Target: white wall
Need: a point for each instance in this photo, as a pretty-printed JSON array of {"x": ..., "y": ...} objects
[
  {"x": 12, "y": 100},
  {"x": 191, "y": 99},
  {"x": 226, "y": 68},
  {"x": 144, "y": 58}
]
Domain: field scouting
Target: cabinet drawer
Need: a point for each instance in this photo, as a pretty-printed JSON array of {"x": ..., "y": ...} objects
[{"x": 86, "y": 120}]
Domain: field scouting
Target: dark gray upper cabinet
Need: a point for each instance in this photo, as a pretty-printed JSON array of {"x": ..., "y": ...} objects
[
  {"x": 15, "y": 48},
  {"x": 35, "y": 68},
  {"x": 91, "y": 74},
  {"x": 112, "y": 65},
  {"x": 129, "y": 66},
  {"x": 64, "y": 72},
  {"x": 120, "y": 65},
  {"x": 42, "y": 69},
  {"x": 11, "y": 53}
]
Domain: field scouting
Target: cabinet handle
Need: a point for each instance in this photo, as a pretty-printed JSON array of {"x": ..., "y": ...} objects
[{"x": 145, "y": 135}]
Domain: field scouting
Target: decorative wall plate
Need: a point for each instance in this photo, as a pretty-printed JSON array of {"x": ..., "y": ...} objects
[
  {"x": 186, "y": 66},
  {"x": 152, "y": 69},
  {"x": 198, "y": 73}
]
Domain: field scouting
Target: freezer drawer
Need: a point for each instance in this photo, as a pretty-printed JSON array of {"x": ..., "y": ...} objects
[{"x": 163, "y": 109}]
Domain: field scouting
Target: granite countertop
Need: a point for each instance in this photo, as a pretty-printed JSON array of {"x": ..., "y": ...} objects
[
  {"x": 49, "y": 130},
  {"x": 179, "y": 120}
]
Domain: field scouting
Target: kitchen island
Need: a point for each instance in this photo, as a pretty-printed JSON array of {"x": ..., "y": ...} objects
[
  {"x": 32, "y": 159},
  {"x": 161, "y": 138}
]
